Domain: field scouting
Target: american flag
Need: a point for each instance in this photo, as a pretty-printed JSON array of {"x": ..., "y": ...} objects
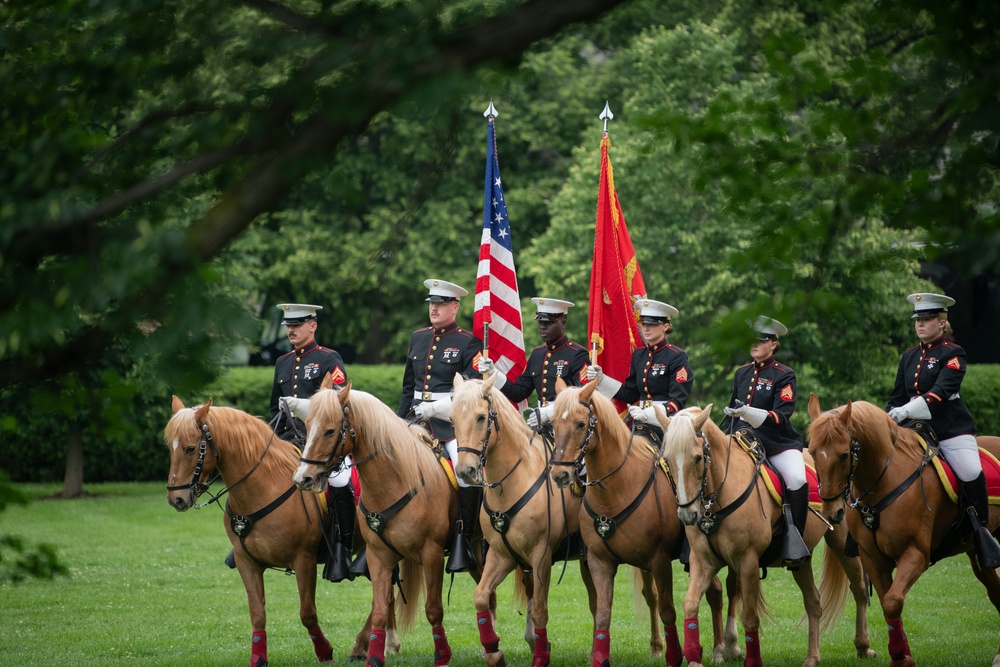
[{"x": 498, "y": 303}]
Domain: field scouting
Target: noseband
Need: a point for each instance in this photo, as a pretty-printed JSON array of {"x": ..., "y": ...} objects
[
  {"x": 198, "y": 488},
  {"x": 491, "y": 423},
  {"x": 335, "y": 458},
  {"x": 591, "y": 429},
  {"x": 844, "y": 492}
]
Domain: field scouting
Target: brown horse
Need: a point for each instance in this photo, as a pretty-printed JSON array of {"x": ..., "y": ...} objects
[
  {"x": 524, "y": 519},
  {"x": 270, "y": 523},
  {"x": 408, "y": 501},
  {"x": 901, "y": 514},
  {"x": 628, "y": 516},
  {"x": 731, "y": 518}
]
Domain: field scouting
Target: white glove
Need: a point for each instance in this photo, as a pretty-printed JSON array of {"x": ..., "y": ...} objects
[
  {"x": 915, "y": 409},
  {"x": 298, "y": 406},
  {"x": 440, "y": 409},
  {"x": 753, "y": 416},
  {"x": 487, "y": 367},
  {"x": 541, "y": 416},
  {"x": 593, "y": 372},
  {"x": 645, "y": 415}
]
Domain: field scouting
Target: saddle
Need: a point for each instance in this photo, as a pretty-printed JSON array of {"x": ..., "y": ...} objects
[{"x": 446, "y": 464}]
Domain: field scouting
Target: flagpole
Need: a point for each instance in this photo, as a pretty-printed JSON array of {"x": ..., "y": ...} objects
[
  {"x": 606, "y": 115},
  {"x": 490, "y": 114}
]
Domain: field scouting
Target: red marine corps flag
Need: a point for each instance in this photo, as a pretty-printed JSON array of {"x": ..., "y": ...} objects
[
  {"x": 497, "y": 319},
  {"x": 615, "y": 280}
]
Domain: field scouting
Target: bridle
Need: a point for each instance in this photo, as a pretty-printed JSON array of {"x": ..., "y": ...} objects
[
  {"x": 577, "y": 463},
  {"x": 336, "y": 457},
  {"x": 706, "y": 454},
  {"x": 196, "y": 486},
  {"x": 852, "y": 467},
  {"x": 492, "y": 422}
]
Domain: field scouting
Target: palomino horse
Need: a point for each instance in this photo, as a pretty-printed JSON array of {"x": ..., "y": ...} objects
[
  {"x": 269, "y": 521},
  {"x": 526, "y": 519},
  {"x": 902, "y": 512},
  {"x": 629, "y": 514},
  {"x": 720, "y": 489},
  {"x": 407, "y": 499}
]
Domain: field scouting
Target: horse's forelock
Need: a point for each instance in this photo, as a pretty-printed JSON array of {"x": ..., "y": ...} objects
[{"x": 677, "y": 437}]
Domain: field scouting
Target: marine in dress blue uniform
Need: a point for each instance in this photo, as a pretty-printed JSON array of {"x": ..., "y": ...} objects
[
  {"x": 659, "y": 374},
  {"x": 436, "y": 353},
  {"x": 927, "y": 387},
  {"x": 558, "y": 357},
  {"x": 763, "y": 400}
]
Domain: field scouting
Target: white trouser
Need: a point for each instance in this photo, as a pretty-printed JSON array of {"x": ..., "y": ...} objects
[
  {"x": 962, "y": 453},
  {"x": 341, "y": 477},
  {"x": 791, "y": 466},
  {"x": 451, "y": 446}
]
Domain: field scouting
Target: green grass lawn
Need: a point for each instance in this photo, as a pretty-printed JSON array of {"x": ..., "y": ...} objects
[{"x": 148, "y": 586}]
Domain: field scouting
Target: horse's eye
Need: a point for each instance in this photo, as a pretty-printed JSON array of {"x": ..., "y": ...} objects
[
  {"x": 580, "y": 426},
  {"x": 697, "y": 459},
  {"x": 480, "y": 419},
  {"x": 842, "y": 457},
  {"x": 329, "y": 433},
  {"x": 189, "y": 450}
]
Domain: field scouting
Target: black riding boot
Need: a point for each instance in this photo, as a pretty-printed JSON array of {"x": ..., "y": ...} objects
[
  {"x": 987, "y": 549},
  {"x": 469, "y": 501},
  {"x": 338, "y": 566},
  {"x": 793, "y": 549}
]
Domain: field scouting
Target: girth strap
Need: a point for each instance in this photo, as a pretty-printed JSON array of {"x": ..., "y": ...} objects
[{"x": 500, "y": 521}]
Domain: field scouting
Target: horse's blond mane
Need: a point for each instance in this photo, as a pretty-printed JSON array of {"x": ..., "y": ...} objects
[
  {"x": 677, "y": 438},
  {"x": 510, "y": 421},
  {"x": 382, "y": 431},
  {"x": 870, "y": 425},
  {"x": 607, "y": 416},
  {"x": 235, "y": 434}
]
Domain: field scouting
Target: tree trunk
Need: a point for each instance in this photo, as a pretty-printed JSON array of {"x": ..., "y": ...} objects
[{"x": 73, "y": 481}]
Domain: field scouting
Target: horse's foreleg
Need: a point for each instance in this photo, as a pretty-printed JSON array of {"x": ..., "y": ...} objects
[
  {"x": 651, "y": 597},
  {"x": 730, "y": 649},
  {"x": 909, "y": 567},
  {"x": 433, "y": 572},
  {"x": 701, "y": 575},
  {"x": 497, "y": 567},
  {"x": 810, "y": 600},
  {"x": 752, "y": 605},
  {"x": 539, "y": 611},
  {"x": 253, "y": 581},
  {"x": 381, "y": 601},
  {"x": 604, "y": 585},
  {"x": 360, "y": 649},
  {"x": 305, "y": 578},
  {"x": 663, "y": 577}
]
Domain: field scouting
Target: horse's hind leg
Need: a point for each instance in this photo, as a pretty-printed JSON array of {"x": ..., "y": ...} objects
[
  {"x": 991, "y": 581},
  {"x": 664, "y": 580},
  {"x": 856, "y": 580},
  {"x": 725, "y": 643},
  {"x": 305, "y": 578},
  {"x": 651, "y": 595}
]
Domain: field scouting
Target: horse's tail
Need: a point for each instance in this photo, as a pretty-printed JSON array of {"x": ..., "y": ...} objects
[
  {"x": 833, "y": 589},
  {"x": 411, "y": 589},
  {"x": 520, "y": 590},
  {"x": 640, "y": 601}
]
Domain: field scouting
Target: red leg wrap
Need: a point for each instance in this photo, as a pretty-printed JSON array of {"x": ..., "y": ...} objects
[
  {"x": 692, "y": 641},
  {"x": 541, "y": 656},
  {"x": 673, "y": 654},
  {"x": 442, "y": 651},
  {"x": 752, "y": 658},
  {"x": 324, "y": 652},
  {"x": 487, "y": 634},
  {"x": 602, "y": 649},
  {"x": 899, "y": 647},
  {"x": 258, "y": 649},
  {"x": 376, "y": 648}
]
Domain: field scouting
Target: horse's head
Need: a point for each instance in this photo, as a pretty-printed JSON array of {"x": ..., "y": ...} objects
[
  {"x": 475, "y": 418},
  {"x": 574, "y": 423},
  {"x": 834, "y": 454},
  {"x": 329, "y": 437},
  {"x": 687, "y": 453},
  {"x": 192, "y": 456}
]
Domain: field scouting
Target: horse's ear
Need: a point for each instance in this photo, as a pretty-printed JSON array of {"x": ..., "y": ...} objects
[
  {"x": 201, "y": 416},
  {"x": 845, "y": 416},
  {"x": 488, "y": 384},
  {"x": 814, "y": 409},
  {"x": 458, "y": 380},
  {"x": 588, "y": 391},
  {"x": 661, "y": 416},
  {"x": 345, "y": 393},
  {"x": 177, "y": 405},
  {"x": 699, "y": 423},
  {"x": 560, "y": 385},
  {"x": 327, "y": 382}
]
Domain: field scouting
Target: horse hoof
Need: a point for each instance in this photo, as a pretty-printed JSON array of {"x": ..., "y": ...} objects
[
  {"x": 357, "y": 657},
  {"x": 866, "y": 653},
  {"x": 905, "y": 662},
  {"x": 496, "y": 659}
]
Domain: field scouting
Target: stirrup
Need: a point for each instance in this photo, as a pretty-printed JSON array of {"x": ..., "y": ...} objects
[
  {"x": 460, "y": 558},
  {"x": 793, "y": 548},
  {"x": 987, "y": 549},
  {"x": 360, "y": 565}
]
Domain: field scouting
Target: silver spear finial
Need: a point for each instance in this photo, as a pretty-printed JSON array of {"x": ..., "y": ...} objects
[
  {"x": 491, "y": 112},
  {"x": 606, "y": 115}
]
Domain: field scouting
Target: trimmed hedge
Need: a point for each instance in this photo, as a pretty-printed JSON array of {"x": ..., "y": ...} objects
[{"x": 32, "y": 446}]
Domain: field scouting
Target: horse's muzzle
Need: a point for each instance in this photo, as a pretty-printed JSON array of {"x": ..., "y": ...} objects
[
  {"x": 181, "y": 502},
  {"x": 471, "y": 475},
  {"x": 687, "y": 516},
  {"x": 308, "y": 479},
  {"x": 561, "y": 477}
]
